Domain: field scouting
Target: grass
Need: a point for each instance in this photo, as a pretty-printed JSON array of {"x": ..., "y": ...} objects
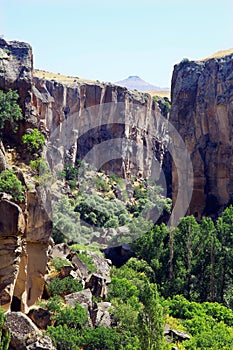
[
  {"x": 161, "y": 93},
  {"x": 219, "y": 54},
  {"x": 60, "y": 78}
]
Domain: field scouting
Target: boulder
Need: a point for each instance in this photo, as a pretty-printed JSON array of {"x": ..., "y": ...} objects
[
  {"x": 101, "y": 315},
  {"x": 41, "y": 317},
  {"x": 174, "y": 335},
  {"x": 60, "y": 251},
  {"x": 97, "y": 284},
  {"x": 44, "y": 343},
  {"x": 23, "y": 331},
  {"x": 83, "y": 298}
]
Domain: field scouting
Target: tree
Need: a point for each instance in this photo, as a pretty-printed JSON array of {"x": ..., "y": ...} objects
[
  {"x": 225, "y": 254},
  {"x": 10, "y": 110},
  {"x": 4, "y": 335},
  {"x": 185, "y": 255},
  {"x": 34, "y": 140},
  {"x": 151, "y": 319},
  {"x": 9, "y": 183}
]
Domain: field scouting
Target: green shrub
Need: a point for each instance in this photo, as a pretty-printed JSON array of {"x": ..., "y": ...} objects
[
  {"x": 58, "y": 263},
  {"x": 101, "y": 338},
  {"x": 39, "y": 166},
  {"x": 64, "y": 286},
  {"x": 88, "y": 261},
  {"x": 64, "y": 338},
  {"x": 9, "y": 183},
  {"x": 34, "y": 140},
  {"x": 4, "y": 335},
  {"x": 9, "y": 109},
  {"x": 72, "y": 317}
]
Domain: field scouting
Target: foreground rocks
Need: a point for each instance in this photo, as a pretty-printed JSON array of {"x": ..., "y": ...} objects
[{"x": 24, "y": 333}]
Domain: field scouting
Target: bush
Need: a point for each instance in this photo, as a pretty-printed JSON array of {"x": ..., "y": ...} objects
[
  {"x": 88, "y": 261},
  {"x": 58, "y": 263},
  {"x": 63, "y": 286},
  {"x": 34, "y": 140},
  {"x": 39, "y": 166},
  {"x": 64, "y": 338},
  {"x": 4, "y": 335},
  {"x": 9, "y": 109},
  {"x": 9, "y": 183}
]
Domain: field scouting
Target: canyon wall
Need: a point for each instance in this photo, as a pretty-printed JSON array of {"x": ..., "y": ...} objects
[
  {"x": 25, "y": 228},
  {"x": 114, "y": 129},
  {"x": 202, "y": 112},
  {"x": 108, "y": 126}
]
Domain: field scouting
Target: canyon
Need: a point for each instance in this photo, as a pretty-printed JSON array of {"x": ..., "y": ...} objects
[{"x": 117, "y": 130}]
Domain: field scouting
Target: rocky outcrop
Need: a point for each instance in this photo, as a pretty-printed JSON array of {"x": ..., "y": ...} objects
[
  {"x": 108, "y": 126},
  {"x": 24, "y": 241},
  {"x": 202, "y": 112},
  {"x": 25, "y": 230},
  {"x": 24, "y": 333},
  {"x": 12, "y": 228},
  {"x": 16, "y": 62}
]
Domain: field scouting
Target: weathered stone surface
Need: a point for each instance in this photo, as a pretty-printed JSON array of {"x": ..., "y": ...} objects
[
  {"x": 12, "y": 226},
  {"x": 16, "y": 71},
  {"x": 41, "y": 317},
  {"x": 3, "y": 161},
  {"x": 83, "y": 298},
  {"x": 44, "y": 343},
  {"x": 174, "y": 335},
  {"x": 97, "y": 284},
  {"x": 102, "y": 265},
  {"x": 61, "y": 251},
  {"x": 102, "y": 315},
  {"x": 81, "y": 116},
  {"x": 23, "y": 330},
  {"x": 202, "y": 112}
]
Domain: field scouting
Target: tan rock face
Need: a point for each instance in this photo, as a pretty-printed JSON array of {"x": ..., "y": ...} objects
[
  {"x": 16, "y": 71},
  {"x": 12, "y": 226},
  {"x": 83, "y": 117},
  {"x": 79, "y": 117},
  {"x": 202, "y": 112}
]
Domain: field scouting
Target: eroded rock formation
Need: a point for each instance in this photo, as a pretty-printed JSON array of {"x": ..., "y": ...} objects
[
  {"x": 78, "y": 117},
  {"x": 202, "y": 112},
  {"x": 104, "y": 124},
  {"x": 25, "y": 229}
]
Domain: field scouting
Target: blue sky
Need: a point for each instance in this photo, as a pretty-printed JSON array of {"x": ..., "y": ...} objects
[{"x": 109, "y": 40}]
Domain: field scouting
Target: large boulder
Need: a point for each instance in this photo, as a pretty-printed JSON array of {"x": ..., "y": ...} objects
[{"x": 24, "y": 333}]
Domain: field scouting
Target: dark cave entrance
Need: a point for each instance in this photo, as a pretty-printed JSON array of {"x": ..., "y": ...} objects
[{"x": 15, "y": 304}]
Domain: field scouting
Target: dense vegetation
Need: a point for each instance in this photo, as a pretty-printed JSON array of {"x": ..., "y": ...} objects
[
  {"x": 102, "y": 202},
  {"x": 194, "y": 260},
  {"x": 10, "y": 111},
  {"x": 182, "y": 277}
]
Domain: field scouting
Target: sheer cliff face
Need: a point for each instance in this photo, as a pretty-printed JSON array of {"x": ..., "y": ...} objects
[
  {"x": 108, "y": 126},
  {"x": 16, "y": 70},
  {"x": 202, "y": 112},
  {"x": 76, "y": 117}
]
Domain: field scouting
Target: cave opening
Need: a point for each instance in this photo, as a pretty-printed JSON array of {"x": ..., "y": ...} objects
[{"x": 15, "y": 304}]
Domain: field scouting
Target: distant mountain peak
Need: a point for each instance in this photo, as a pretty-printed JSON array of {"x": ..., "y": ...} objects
[
  {"x": 135, "y": 82},
  {"x": 134, "y": 77}
]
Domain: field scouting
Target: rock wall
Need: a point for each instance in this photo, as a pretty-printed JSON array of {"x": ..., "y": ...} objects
[
  {"x": 25, "y": 229},
  {"x": 77, "y": 117},
  {"x": 202, "y": 112},
  {"x": 80, "y": 117}
]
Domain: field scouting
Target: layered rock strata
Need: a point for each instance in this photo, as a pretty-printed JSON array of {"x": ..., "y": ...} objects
[{"x": 202, "y": 112}]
